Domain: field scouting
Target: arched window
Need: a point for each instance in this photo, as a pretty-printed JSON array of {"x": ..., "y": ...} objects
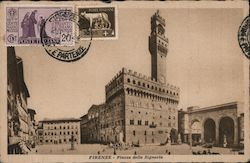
[
  {"x": 143, "y": 84},
  {"x": 127, "y": 90},
  {"x": 128, "y": 80},
  {"x": 133, "y": 81},
  {"x": 139, "y": 83}
]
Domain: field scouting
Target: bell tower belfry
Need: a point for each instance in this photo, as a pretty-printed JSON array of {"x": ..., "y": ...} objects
[{"x": 158, "y": 47}]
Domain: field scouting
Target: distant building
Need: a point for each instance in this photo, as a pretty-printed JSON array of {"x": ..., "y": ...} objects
[
  {"x": 218, "y": 124},
  {"x": 17, "y": 94},
  {"x": 32, "y": 127},
  {"x": 40, "y": 133},
  {"x": 84, "y": 129},
  {"x": 59, "y": 131},
  {"x": 138, "y": 109}
]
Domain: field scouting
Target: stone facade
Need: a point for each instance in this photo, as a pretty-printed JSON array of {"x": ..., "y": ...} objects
[
  {"x": 138, "y": 109},
  {"x": 84, "y": 129},
  {"x": 40, "y": 133},
  {"x": 216, "y": 124},
  {"x": 60, "y": 131},
  {"x": 32, "y": 127},
  {"x": 19, "y": 131}
]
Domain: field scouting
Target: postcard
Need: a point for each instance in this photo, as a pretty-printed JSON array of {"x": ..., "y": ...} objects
[{"x": 124, "y": 81}]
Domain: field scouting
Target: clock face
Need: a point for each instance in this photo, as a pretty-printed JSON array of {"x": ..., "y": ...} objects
[{"x": 162, "y": 79}]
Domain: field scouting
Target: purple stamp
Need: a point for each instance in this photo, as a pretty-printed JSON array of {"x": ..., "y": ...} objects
[{"x": 24, "y": 26}]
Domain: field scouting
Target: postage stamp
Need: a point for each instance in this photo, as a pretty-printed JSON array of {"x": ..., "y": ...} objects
[
  {"x": 244, "y": 36},
  {"x": 100, "y": 21},
  {"x": 24, "y": 24},
  {"x": 64, "y": 53}
]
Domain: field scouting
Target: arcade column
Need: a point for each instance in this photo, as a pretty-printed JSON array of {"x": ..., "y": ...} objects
[
  {"x": 217, "y": 133},
  {"x": 236, "y": 128}
]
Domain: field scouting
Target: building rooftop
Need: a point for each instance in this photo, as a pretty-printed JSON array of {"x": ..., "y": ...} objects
[
  {"x": 60, "y": 120},
  {"x": 141, "y": 76},
  {"x": 198, "y": 109}
]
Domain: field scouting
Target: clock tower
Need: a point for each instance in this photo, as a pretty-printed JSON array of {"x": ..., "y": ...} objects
[{"x": 158, "y": 47}]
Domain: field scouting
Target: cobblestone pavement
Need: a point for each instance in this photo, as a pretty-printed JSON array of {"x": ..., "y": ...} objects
[{"x": 94, "y": 149}]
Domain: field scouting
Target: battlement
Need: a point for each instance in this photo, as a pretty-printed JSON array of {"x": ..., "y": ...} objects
[
  {"x": 149, "y": 79},
  {"x": 140, "y": 76},
  {"x": 158, "y": 18},
  {"x": 132, "y": 79}
]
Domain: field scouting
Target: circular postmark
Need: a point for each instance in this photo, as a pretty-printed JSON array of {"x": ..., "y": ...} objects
[
  {"x": 59, "y": 39},
  {"x": 244, "y": 37}
]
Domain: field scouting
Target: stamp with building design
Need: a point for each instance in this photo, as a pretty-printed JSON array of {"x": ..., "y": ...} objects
[
  {"x": 24, "y": 25},
  {"x": 171, "y": 88},
  {"x": 100, "y": 21}
]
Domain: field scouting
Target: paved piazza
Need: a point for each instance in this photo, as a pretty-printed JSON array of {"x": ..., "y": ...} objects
[{"x": 92, "y": 149}]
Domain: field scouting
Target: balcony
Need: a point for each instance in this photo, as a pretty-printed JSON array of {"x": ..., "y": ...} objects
[{"x": 152, "y": 126}]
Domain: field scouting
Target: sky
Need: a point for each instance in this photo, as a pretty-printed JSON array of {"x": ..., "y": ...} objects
[{"x": 204, "y": 60}]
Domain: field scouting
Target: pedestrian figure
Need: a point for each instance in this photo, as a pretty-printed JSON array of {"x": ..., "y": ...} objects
[
  {"x": 169, "y": 153},
  {"x": 25, "y": 25},
  {"x": 41, "y": 27},
  {"x": 135, "y": 153},
  {"x": 32, "y": 22},
  {"x": 98, "y": 152},
  {"x": 166, "y": 151}
]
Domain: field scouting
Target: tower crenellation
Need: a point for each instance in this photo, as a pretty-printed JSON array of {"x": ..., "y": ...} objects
[{"x": 158, "y": 47}]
